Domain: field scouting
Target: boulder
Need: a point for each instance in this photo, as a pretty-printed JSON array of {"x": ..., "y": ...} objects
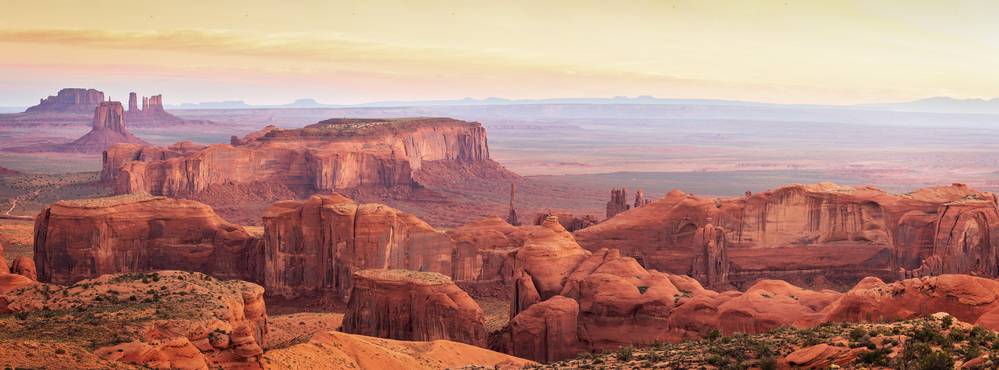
[
  {"x": 411, "y": 305},
  {"x": 24, "y": 266},
  {"x": 544, "y": 332}
]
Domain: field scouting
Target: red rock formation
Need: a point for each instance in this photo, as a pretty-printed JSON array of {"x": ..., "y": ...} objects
[
  {"x": 330, "y": 155},
  {"x": 82, "y": 239},
  {"x": 315, "y": 246},
  {"x": 108, "y": 129},
  {"x": 967, "y": 298},
  {"x": 618, "y": 202},
  {"x": 569, "y": 221},
  {"x": 24, "y": 266},
  {"x": 815, "y": 235},
  {"x": 640, "y": 199},
  {"x": 712, "y": 266},
  {"x": 544, "y": 332},
  {"x": 152, "y": 111},
  {"x": 511, "y": 218},
  {"x": 411, "y": 305},
  {"x": 188, "y": 320},
  {"x": 69, "y": 100},
  {"x": 133, "y": 105}
]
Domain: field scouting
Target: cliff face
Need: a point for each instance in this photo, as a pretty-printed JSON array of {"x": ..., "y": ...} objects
[
  {"x": 812, "y": 235},
  {"x": 411, "y": 305},
  {"x": 315, "y": 246},
  {"x": 76, "y": 240},
  {"x": 70, "y": 100},
  {"x": 327, "y": 156}
]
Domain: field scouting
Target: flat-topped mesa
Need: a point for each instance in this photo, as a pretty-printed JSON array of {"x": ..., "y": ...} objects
[
  {"x": 813, "y": 235},
  {"x": 70, "y": 100},
  {"x": 333, "y": 155},
  {"x": 82, "y": 239},
  {"x": 412, "y": 305}
]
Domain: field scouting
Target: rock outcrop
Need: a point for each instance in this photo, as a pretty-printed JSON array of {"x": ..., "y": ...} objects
[
  {"x": 569, "y": 221},
  {"x": 24, "y": 266},
  {"x": 618, "y": 202},
  {"x": 82, "y": 239},
  {"x": 108, "y": 129},
  {"x": 152, "y": 111},
  {"x": 70, "y": 100},
  {"x": 166, "y": 319},
  {"x": 315, "y": 246},
  {"x": 620, "y": 303},
  {"x": 412, "y": 305},
  {"x": 815, "y": 235},
  {"x": 332, "y": 155}
]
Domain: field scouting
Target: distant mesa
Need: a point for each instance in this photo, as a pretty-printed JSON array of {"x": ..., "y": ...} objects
[
  {"x": 107, "y": 129},
  {"x": 69, "y": 100}
]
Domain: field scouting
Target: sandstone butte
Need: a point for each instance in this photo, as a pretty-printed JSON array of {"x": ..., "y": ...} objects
[
  {"x": 332, "y": 155},
  {"x": 820, "y": 235},
  {"x": 107, "y": 129},
  {"x": 70, "y": 100},
  {"x": 151, "y": 113},
  {"x": 412, "y": 305}
]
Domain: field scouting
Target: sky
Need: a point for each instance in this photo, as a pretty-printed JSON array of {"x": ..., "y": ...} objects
[{"x": 344, "y": 52}]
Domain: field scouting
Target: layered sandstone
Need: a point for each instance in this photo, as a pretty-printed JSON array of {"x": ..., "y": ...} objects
[
  {"x": 108, "y": 129},
  {"x": 315, "y": 246},
  {"x": 331, "y": 155},
  {"x": 82, "y": 239},
  {"x": 166, "y": 319},
  {"x": 819, "y": 235},
  {"x": 412, "y": 305},
  {"x": 69, "y": 100},
  {"x": 618, "y": 303}
]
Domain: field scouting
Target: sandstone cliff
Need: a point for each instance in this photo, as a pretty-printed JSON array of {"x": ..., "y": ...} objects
[
  {"x": 818, "y": 235},
  {"x": 76, "y": 240},
  {"x": 152, "y": 111},
  {"x": 412, "y": 305},
  {"x": 70, "y": 100},
  {"x": 315, "y": 246},
  {"x": 328, "y": 156}
]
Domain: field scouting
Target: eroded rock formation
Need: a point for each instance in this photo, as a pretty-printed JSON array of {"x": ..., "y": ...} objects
[
  {"x": 70, "y": 100},
  {"x": 815, "y": 235},
  {"x": 620, "y": 303},
  {"x": 328, "y": 156},
  {"x": 618, "y": 202},
  {"x": 412, "y": 305},
  {"x": 108, "y": 129},
  {"x": 316, "y": 245},
  {"x": 82, "y": 239},
  {"x": 152, "y": 111},
  {"x": 569, "y": 221},
  {"x": 187, "y": 320}
]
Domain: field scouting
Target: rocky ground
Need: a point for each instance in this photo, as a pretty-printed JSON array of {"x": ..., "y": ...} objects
[{"x": 935, "y": 342}]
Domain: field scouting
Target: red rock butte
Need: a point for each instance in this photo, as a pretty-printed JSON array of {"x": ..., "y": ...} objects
[
  {"x": 108, "y": 129},
  {"x": 331, "y": 155},
  {"x": 70, "y": 100},
  {"x": 813, "y": 235}
]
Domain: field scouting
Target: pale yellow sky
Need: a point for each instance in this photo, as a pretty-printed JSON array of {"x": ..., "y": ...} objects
[{"x": 837, "y": 52}]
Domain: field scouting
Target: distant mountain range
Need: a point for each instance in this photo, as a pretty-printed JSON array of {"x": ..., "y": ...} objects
[
  {"x": 943, "y": 105},
  {"x": 932, "y": 105}
]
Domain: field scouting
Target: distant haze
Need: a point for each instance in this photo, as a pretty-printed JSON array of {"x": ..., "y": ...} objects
[{"x": 350, "y": 52}]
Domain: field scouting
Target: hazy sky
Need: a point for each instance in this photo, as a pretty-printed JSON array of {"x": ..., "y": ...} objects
[{"x": 350, "y": 52}]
